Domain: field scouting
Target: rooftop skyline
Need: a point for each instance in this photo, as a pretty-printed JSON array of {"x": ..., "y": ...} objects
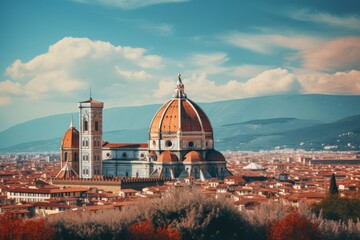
[{"x": 130, "y": 52}]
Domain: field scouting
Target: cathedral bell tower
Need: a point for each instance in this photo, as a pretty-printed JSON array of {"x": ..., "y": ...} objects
[{"x": 90, "y": 119}]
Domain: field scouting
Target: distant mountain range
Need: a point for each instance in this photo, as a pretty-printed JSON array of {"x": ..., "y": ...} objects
[{"x": 263, "y": 123}]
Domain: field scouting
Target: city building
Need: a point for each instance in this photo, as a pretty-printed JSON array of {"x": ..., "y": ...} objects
[{"x": 181, "y": 144}]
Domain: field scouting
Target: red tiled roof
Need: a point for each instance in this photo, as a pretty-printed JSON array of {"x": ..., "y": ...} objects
[
  {"x": 167, "y": 157},
  {"x": 193, "y": 156},
  {"x": 192, "y": 117},
  {"x": 47, "y": 190},
  {"x": 70, "y": 139}
]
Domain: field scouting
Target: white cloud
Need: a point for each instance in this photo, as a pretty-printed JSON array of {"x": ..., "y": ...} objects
[
  {"x": 338, "y": 83},
  {"x": 210, "y": 63},
  {"x": 9, "y": 87},
  {"x": 129, "y": 4},
  {"x": 200, "y": 88},
  {"x": 72, "y": 64},
  {"x": 348, "y": 22},
  {"x": 162, "y": 29},
  {"x": 313, "y": 52},
  {"x": 265, "y": 43},
  {"x": 140, "y": 75},
  {"x": 343, "y": 53}
]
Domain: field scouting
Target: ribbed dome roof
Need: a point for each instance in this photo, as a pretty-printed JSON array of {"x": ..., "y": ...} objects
[
  {"x": 180, "y": 114},
  {"x": 214, "y": 155},
  {"x": 193, "y": 156},
  {"x": 70, "y": 139},
  {"x": 167, "y": 157}
]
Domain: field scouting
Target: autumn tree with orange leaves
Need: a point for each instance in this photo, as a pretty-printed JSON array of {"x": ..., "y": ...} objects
[
  {"x": 293, "y": 226},
  {"x": 147, "y": 230},
  {"x": 12, "y": 227}
]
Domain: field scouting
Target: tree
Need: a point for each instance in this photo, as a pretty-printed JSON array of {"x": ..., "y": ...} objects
[
  {"x": 147, "y": 230},
  {"x": 333, "y": 189},
  {"x": 293, "y": 226},
  {"x": 12, "y": 227},
  {"x": 336, "y": 208}
]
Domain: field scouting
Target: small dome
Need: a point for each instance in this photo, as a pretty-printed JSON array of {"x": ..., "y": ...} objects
[
  {"x": 151, "y": 154},
  {"x": 214, "y": 155},
  {"x": 167, "y": 157},
  {"x": 193, "y": 156},
  {"x": 70, "y": 139}
]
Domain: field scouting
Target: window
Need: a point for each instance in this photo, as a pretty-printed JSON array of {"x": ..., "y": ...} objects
[
  {"x": 85, "y": 125},
  {"x": 124, "y": 155},
  {"x": 96, "y": 126},
  {"x": 168, "y": 143},
  {"x": 75, "y": 157},
  {"x": 191, "y": 144},
  {"x": 66, "y": 156}
]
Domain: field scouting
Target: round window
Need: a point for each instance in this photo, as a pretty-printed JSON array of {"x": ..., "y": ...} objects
[
  {"x": 142, "y": 155},
  {"x": 168, "y": 143},
  {"x": 191, "y": 144},
  {"x": 124, "y": 155},
  {"x": 108, "y": 155}
]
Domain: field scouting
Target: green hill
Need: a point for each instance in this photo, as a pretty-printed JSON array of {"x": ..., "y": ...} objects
[{"x": 261, "y": 118}]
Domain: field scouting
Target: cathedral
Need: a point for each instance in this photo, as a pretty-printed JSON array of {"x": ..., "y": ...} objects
[{"x": 180, "y": 145}]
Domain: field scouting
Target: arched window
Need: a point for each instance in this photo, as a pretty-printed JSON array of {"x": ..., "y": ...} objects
[
  {"x": 66, "y": 156},
  {"x": 75, "y": 157},
  {"x": 85, "y": 125},
  {"x": 96, "y": 126}
]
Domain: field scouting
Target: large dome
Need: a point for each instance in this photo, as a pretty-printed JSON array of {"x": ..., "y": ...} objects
[
  {"x": 180, "y": 126},
  {"x": 180, "y": 114},
  {"x": 71, "y": 138}
]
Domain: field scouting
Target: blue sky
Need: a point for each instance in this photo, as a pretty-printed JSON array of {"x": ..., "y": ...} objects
[{"x": 131, "y": 51}]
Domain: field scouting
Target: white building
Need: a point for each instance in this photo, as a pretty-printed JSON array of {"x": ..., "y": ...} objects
[{"x": 180, "y": 144}]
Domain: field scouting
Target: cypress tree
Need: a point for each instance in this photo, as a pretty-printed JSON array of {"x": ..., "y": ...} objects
[{"x": 333, "y": 189}]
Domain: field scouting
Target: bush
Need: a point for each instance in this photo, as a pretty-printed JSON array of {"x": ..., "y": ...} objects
[
  {"x": 12, "y": 227},
  {"x": 293, "y": 226},
  {"x": 336, "y": 208},
  {"x": 191, "y": 213},
  {"x": 147, "y": 230}
]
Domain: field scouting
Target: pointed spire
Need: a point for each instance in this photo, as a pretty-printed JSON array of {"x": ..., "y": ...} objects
[
  {"x": 90, "y": 93},
  {"x": 179, "y": 79},
  {"x": 72, "y": 121},
  {"x": 179, "y": 90}
]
